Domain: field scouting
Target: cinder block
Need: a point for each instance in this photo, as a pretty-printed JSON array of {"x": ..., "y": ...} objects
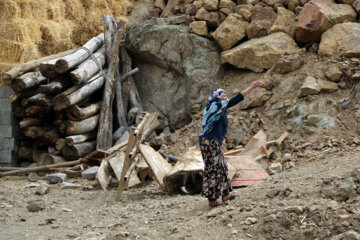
[
  {"x": 2, "y": 92},
  {"x": 6, "y": 130},
  {"x": 7, "y": 156},
  {"x": 5, "y": 105},
  {"x": 6, "y": 118},
  {"x": 7, "y": 143},
  {"x": 8, "y": 92}
]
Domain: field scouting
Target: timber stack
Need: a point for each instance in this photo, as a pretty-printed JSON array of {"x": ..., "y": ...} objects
[{"x": 65, "y": 103}]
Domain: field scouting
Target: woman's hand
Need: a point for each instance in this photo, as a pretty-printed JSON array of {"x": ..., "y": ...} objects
[{"x": 252, "y": 86}]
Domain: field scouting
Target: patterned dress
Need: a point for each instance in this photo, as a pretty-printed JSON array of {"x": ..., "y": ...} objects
[{"x": 216, "y": 181}]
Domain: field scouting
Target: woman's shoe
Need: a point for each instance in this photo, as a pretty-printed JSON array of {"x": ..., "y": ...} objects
[
  {"x": 228, "y": 198},
  {"x": 215, "y": 204}
]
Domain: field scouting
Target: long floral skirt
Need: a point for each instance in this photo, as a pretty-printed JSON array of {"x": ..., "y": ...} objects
[{"x": 216, "y": 181}]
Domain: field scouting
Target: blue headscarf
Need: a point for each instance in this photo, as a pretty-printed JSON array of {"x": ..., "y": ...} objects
[{"x": 213, "y": 111}]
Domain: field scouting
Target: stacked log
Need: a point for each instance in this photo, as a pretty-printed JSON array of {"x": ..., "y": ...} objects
[{"x": 59, "y": 106}]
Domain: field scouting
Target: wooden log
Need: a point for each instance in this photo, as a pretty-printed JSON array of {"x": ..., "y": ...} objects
[
  {"x": 104, "y": 136},
  {"x": 79, "y": 127},
  {"x": 77, "y": 113},
  {"x": 34, "y": 111},
  {"x": 103, "y": 176},
  {"x": 24, "y": 94},
  {"x": 28, "y": 66},
  {"x": 60, "y": 144},
  {"x": 48, "y": 70},
  {"x": 25, "y": 152},
  {"x": 48, "y": 159},
  {"x": 35, "y": 132},
  {"x": 55, "y": 87},
  {"x": 41, "y": 100},
  {"x": 19, "y": 112},
  {"x": 77, "y": 94},
  {"x": 28, "y": 80},
  {"x": 39, "y": 169},
  {"x": 78, "y": 150},
  {"x": 50, "y": 137},
  {"x": 89, "y": 68},
  {"x": 68, "y": 62},
  {"x": 134, "y": 98},
  {"x": 126, "y": 83},
  {"x": 6, "y": 169},
  {"x": 71, "y": 140},
  {"x": 29, "y": 122}
]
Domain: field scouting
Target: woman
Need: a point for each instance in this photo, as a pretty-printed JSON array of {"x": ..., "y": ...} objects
[{"x": 216, "y": 180}]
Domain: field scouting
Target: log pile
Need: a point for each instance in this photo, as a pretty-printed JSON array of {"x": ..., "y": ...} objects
[{"x": 65, "y": 104}]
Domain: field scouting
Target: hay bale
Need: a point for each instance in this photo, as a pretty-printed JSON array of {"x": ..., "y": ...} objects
[
  {"x": 13, "y": 52},
  {"x": 20, "y": 30},
  {"x": 9, "y": 10},
  {"x": 74, "y": 10},
  {"x": 55, "y": 10}
]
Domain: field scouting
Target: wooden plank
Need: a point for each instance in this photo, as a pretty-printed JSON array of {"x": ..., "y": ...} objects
[
  {"x": 159, "y": 166},
  {"x": 103, "y": 175}
]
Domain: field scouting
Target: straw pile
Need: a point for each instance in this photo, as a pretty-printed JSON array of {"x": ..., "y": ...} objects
[{"x": 30, "y": 29}]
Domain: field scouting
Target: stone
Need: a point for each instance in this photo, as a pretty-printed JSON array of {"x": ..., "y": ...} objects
[
  {"x": 262, "y": 18},
  {"x": 212, "y": 19},
  {"x": 275, "y": 168},
  {"x": 309, "y": 87},
  {"x": 55, "y": 178},
  {"x": 234, "y": 232},
  {"x": 42, "y": 189},
  {"x": 66, "y": 185},
  {"x": 180, "y": 65},
  {"x": 333, "y": 73},
  {"x": 356, "y": 5},
  {"x": 272, "y": 193},
  {"x": 288, "y": 63},
  {"x": 31, "y": 185},
  {"x": 227, "y": 4},
  {"x": 90, "y": 173},
  {"x": 356, "y": 175},
  {"x": 260, "y": 53},
  {"x": 211, "y": 5},
  {"x": 349, "y": 235},
  {"x": 35, "y": 206},
  {"x": 160, "y": 4},
  {"x": 33, "y": 177},
  {"x": 342, "y": 39},
  {"x": 327, "y": 86},
  {"x": 199, "y": 28},
  {"x": 246, "y": 14},
  {"x": 348, "y": 2},
  {"x": 293, "y": 4},
  {"x": 256, "y": 98},
  {"x": 250, "y": 221},
  {"x": 226, "y": 11},
  {"x": 285, "y": 22},
  {"x": 124, "y": 137},
  {"x": 319, "y": 16},
  {"x": 294, "y": 209},
  {"x": 344, "y": 189},
  {"x": 191, "y": 9},
  {"x": 215, "y": 212},
  {"x": 231, "y": 31},
  {"x": 200, "y": 14},
  {"x": 278, "y": 105},
  {"x": 286, "y": 157}
]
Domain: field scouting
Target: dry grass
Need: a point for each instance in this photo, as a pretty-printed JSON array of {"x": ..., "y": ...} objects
[{"x": 30, "y": 29}]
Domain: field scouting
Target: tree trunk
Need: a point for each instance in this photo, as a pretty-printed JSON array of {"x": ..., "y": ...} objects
[
  {"x": 88, "y": 68},
  {"x": 134, "y": 98},
  {"x": 68, "y": 62},
  {"x": 29, "y": 122},
  {"x": 76, "y": 94},
  {"x": 126, "y": 83},
  {"x": 28, "y": 80},
  {"x": 48, "y": 70},
  {"x": 28, "y": 66},
  {"x": 104, "y": 136},
  {"x": 78, "y": 150},
  {"x": 71, "y": 140},
  {"x": 79, "y": 127},
  {"x": 77, "y": 113}
]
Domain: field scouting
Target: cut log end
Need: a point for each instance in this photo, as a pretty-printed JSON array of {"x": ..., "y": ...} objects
[{"x": 61, "y": 66}]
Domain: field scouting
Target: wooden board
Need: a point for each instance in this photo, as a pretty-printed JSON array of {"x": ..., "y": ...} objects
[{"x": 103, "y": 175}]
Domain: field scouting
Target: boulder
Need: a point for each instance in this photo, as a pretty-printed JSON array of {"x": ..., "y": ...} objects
[
  {"x": 245, "y": 13},
  {"x": 226, "y": 11},
  {"x": 319, "y": 16},
  {"x": 90, "y": 173},
  {"x": 256, "y": 98},
  {"x": 309, "y": 87},
  {"x": 262, "y": 18},
  {"x": 199, "y": 28},
  {"x": 356, "y": 5},
  {"x": 191, "y": 9},
  {"x": 231, "y": 31},
  {"x": 285, "y": 22},
  {"x": 275, "y": 168},
  {"x": 327, "y": 86},
  {"x": 177, "y": 68},
  {"x": 200, "y": 14},
  {"x": 212, "y": 19},
  {"x": 348, "y": 2},
  {"x": 342, "y": 39},
  {"x": 160, "y": 4},
  {"x": 55, "y": 178},
  {"x": 288, "y": 63},
  {"x": 227, "y": 4},
  {"x": 293, "y": 4},
  {"x": 211, "y": 5},
  {"x": 260, "y": 53},
  {"x": 333, "y": 73},
  {"x": 274, "y": 3}
]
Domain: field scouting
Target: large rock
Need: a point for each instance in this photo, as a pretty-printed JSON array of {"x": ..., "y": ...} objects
[
  {"x": 212, "y": 19},
  {"x": 200, "y": 14},
  {"x": 342, "y": 39},
  {"x": 256, "y": 98},
  {"x": 199, "y": 28},
  {"x": 327, "y": 86},
  {"x": 285, "y": 22},
  {"x": 262, "y": 18},
  {"x": 231, "y": 31},
  {"x": 319, "y": 16},
  {"x": 333, "y": 73},
  {"x": 211, "y": 4},
  {"x": 261, "y": 53},
  {"x": 288, "y": 63},
  {"x": 310, "y": 87},
  {"x": 177, "y": 68}
]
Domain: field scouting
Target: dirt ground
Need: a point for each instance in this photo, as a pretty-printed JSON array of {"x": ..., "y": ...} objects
[{"x": 302, "y": 202}]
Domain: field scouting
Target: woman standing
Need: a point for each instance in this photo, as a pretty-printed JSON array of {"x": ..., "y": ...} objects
[{"x": 216, "y": 181}]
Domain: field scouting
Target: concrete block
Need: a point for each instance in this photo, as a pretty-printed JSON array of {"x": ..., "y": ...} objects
[
  {"x": 6, "y": 130},
  {"x": 5, "y": 105},
  {"x": 7, "y": 143},
  {"x": 2, "y": 92},
  {"x": 6, "y": 156},
  {"x": 8, "y": 92},
  {"x": 6, "y": 118}
]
